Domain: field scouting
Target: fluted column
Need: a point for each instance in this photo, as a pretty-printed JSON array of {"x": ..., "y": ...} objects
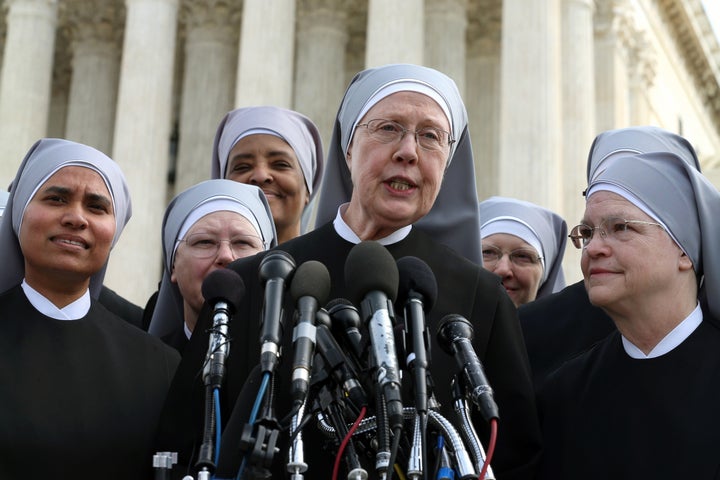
[
  {"x": 578, "y": 115},
  {"x": 483, "y": 93},
  {"x": 395, "y": 32},
  {"x": 208, "y": 85},
  {"x": 530, "y": 102},
  {"x": 319, "y": 70},
  {"x": 25, "y": 80},
  {"x": 613, "y": 27},
  {"x": 446, "y": 24},
  {"x": 642, "y": 66},
  {"x": 267, "y": 48},
  {"x": 95, "y": 36},
  {"x": 141, "y": 141}
]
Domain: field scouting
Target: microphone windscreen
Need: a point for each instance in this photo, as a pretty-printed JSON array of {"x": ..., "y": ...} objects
[
  {"x": 416, "y": 276},
  {"x": 223, "y": 285},
  {"x": 311, "y": 279},
  {"x": 370, "y": 267},
  {"x": 276, "y": 264}
]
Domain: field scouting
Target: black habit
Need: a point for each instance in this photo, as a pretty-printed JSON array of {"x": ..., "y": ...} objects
[{"x": 464, "y": 288}]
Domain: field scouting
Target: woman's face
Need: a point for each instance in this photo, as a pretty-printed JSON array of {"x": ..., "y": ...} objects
[
  {"x": 211, "y": 243},
  {"x": 395, "y": 184},
  {"x": 521, "y": 277},
  {"x": 268, "y": 162},
  {"x": 67, "y": 229},
  {"x": 640, "y": 265}
]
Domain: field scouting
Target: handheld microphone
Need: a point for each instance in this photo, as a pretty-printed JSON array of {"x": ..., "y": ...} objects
[
  {"x": 417, "y": 292},
  {"x": 275, "y": 270},
  {"x": 338, "y": 366},
  {"x": 345, "y": 322},
  {"x": 454, "y": 337},
  {"x": 223, "y": 289},
  {"x": 309, "y": 288},
  {"x": 372, "y": 278}
]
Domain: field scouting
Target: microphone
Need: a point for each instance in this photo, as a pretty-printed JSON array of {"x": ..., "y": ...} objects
[
  {"x": 454, "y": 337},
  {"x": 309, "y": 288},
  {"x": 338, "y": 366},
  {"x": 275, "y": 269},
  {"x": 417, "y": 292},
  {"x": 223, "y": 289},
  {"x": 345, "y": 322},
  {"x": 372, "y": 279}
]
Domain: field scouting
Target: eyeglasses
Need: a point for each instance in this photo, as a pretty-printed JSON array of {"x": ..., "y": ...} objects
[
  {"x": 204, "y": 245},
  {"x": 615, "y": 228},
  {"x": 521, "y": 257},
  {"x": 387, "y": 131}
]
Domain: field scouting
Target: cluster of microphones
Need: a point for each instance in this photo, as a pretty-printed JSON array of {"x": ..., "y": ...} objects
[{"x": 350, "y": 357}]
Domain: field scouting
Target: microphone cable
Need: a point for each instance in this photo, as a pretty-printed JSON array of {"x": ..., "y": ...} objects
[
  {"x": 491, "y": 448},
  {"x": 254, "y": 412},
  {"x": 346, "y": 440}
]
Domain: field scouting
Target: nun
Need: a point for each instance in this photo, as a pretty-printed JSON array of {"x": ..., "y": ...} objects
[
  {"x": 524, "y": 243},
  {"x": 400, "y": 173},
  {"x": 642, "y": 403},
  {"x": 82, "y": 389},
  {"x": 560, "y": 326},
  {"x": 205, "y": 228},
  {"x": 277, "y": 150}
]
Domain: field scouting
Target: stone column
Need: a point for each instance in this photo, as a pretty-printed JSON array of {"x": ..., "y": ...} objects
[
  {"x": 95, "y": 37},
  {"x": 482, "y": 99},
  {"x": 141, "y": 142},
  {"x": 613, "y": 27},
  {"x": 578, "y": 116},
  {"x": 395, "y": 32},
  {"x": 446, "y": 24},
  {"x": 267, "y": 49},
  {"x": 642, "y": 65},
  {"x": 208, "y": 84},
  {"x": 24, "y": 84},
  {"x": 319, "y": 70},
  {"x": 530, "y": 150}
]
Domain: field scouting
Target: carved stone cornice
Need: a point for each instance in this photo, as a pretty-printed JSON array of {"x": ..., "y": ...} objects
[
  {"x": 222, "y": 14},
  {"x": 322, "y": 12},
  {"x": 614, "y": 20},
  {"x": 484, "y": 32},
  {"x": 93, "y": 20}
]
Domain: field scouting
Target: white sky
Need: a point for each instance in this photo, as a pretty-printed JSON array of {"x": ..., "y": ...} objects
[{"x": 712, "y": 8}]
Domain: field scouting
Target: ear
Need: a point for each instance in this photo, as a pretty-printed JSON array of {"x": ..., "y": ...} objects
[
  {"x": 173, "y": 278},
  {"x": 684, "y": 262}
]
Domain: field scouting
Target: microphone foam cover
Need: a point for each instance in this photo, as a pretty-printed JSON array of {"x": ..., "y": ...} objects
[
  {"x": 223, "y": 285},
  {"x": 369, "y": 267},
  {"x": 416, "y": 276},
  {"x": 311, "y": 279}
]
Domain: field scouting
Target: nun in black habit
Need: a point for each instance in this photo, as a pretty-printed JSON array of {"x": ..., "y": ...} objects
[
  {"x": 81, "y": 388},
  {"x": 400, "y": 172}
]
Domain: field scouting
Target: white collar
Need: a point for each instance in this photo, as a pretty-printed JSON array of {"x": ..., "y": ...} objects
[
  {"x": 74, "y": 311},
  {"x": 676, "y": 336},
  {"x": 346, "y": 232}
]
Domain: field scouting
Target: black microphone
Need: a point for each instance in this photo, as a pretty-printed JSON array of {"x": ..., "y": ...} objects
[
  {"x": 309, "y": 288},
  {"x": 371, "y": 275},
  {"x": 223, "y": 289},
  {"x": 417, "y": 292},
  {"x": 275, "y": 270},
  {"x": 454, "y": 337},
  {"x": 338, "y": 366},
  {"x": 345, "y": 322}
]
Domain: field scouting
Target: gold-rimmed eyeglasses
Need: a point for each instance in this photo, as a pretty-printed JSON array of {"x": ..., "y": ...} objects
[
  {"x": 388, "y": 131},
  {"x": 614, "y": 228},
  {"x": 521, "y": 257},
  {"x": 204, "y": 245}
]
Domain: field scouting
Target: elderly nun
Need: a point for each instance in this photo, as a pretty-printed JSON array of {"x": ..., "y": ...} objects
[
  {"x": 205, "y": 228},
  {"x": 642, "y": 403},
  {"x": 80, "y": 385},
  {"x": 524, "y": 243},
  {"x": 277, "y": 150}
]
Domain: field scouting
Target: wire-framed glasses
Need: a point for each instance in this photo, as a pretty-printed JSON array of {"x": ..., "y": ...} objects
[
  {"x": 522, "y": 257},
  {"x": 615, "y": 228},
  {"x": 205, "y": 245},
  {"x": 388, "y": 131}
]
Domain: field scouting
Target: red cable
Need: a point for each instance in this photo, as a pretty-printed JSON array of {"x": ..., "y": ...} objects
[
  {"x": 345, "y": 441},
  {"x": 491, "y": 448}
]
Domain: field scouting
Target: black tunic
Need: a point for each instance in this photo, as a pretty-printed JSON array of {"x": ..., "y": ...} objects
[
  {"x": 81, "y": 398},
  {"x": 607, "y": 415},
  {"x": 464, "y": 288}
]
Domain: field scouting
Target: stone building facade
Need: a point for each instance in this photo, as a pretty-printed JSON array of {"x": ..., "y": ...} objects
[{"x": 147, "y": 81}]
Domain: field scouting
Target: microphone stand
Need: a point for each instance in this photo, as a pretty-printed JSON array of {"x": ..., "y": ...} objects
[
  {"x": 259, "y": 439},
  {"x": 467, "y": 430},
  {"x": 296, "y": 454}
]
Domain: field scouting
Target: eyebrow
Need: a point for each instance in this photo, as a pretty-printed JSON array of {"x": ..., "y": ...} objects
[{"x": 93, "y": 197}]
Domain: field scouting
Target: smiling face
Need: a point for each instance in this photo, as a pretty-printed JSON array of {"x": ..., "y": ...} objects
[
  {"x": 67, "y": 230},
  {"x": 270, "y": 163},
  {"x": 520, "y": 279},
  {"x": 394, "y": 184}
]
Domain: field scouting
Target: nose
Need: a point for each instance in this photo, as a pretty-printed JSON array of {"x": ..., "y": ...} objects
[
  {"x": 503, "y": 267},
  {"x": 260, "y": 174},
  {"x": 407, "y": 148},
  {"x": 225, "y": 254},
  {"x": 597, "y": 245},
  {"x": 74, "y": 216}
]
